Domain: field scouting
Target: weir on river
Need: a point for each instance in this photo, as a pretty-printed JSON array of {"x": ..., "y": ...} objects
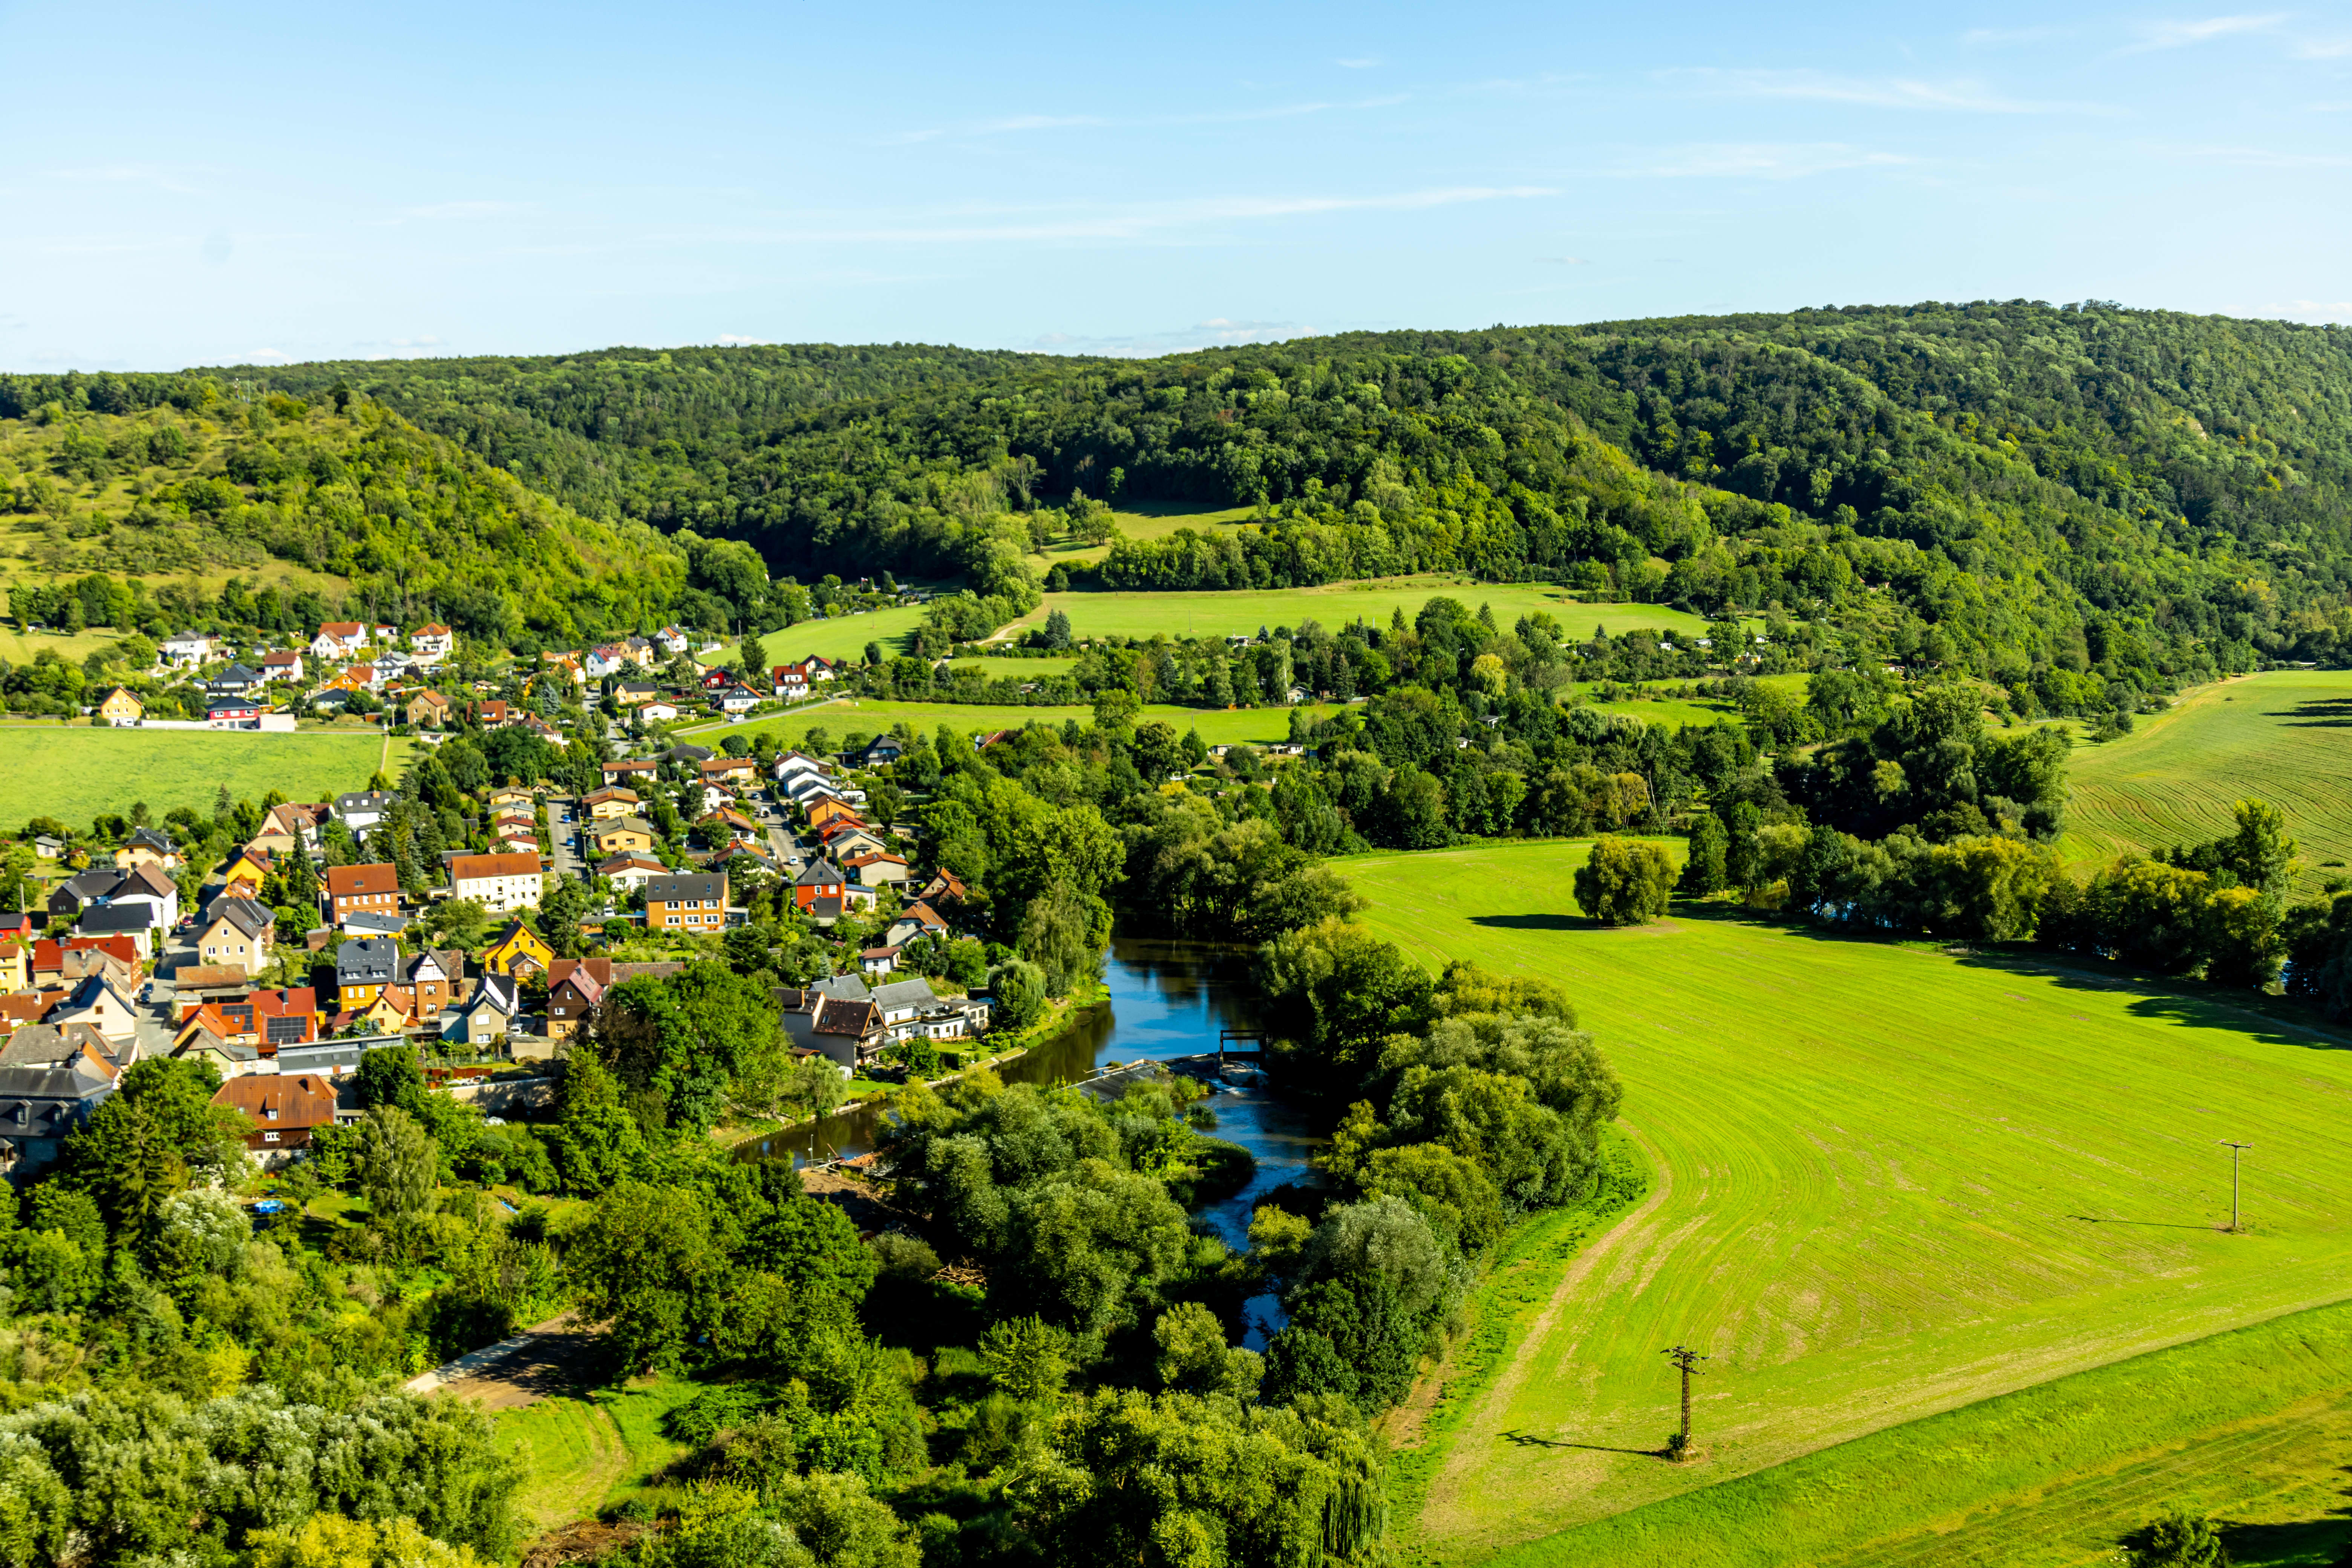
[{"x": 1168, "y": 999}]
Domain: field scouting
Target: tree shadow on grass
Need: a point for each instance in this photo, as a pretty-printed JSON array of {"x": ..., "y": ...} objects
[
  {"x": 2170, "y": 1000},
  {"x": 1537, "y": 923},
  {"x": 2328, "y": 713},
  {"x": 2313, "y": 1541}
]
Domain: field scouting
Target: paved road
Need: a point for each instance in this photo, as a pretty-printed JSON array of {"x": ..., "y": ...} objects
[
  {"x": 564, "y": 836},
  {"x": 542, "y": 1361},
  {"x": 156, "y": 1031}
]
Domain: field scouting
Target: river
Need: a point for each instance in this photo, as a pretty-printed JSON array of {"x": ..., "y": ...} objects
[{"x": 1167, "y": 998}]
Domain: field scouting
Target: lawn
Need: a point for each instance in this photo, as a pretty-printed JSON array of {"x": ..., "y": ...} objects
[
  {"x": 841, "y": 636},
  {"x": 871, "y": 717},
  {"x": 1890, "y": 1182},
  {"x": 579, "y": 1454},
  {"x": 75, "y": 773},
  {"x": 1243, "y": 612},
  {"x": 2284, "y": 736}
]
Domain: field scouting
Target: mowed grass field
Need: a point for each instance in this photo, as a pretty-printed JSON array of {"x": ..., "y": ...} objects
[
  {"x": 2284, "y": 736},
  {"x": 1257, "y": 726},
  {"x": 1889, "y": 1183},
  {"x": 1336, "y": 604},
  {"x": 75, "y": 773}
]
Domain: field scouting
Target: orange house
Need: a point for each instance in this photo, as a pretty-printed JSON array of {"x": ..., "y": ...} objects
[{"x": 827, "y": 810}]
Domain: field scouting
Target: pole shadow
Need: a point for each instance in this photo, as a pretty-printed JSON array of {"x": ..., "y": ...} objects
[
  {"x": 1530, "y": 1440},
  {"x": 2156, "y": 1224}
]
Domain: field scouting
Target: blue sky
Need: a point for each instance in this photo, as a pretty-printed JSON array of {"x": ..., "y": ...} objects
[{"x": 253, "y": 184}]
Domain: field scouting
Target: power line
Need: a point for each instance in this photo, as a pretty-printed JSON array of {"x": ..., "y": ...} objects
[{"x": 1685, "y": 1358}]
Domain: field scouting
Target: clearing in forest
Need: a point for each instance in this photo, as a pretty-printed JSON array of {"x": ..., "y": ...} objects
[{"x": 1895, "y": 1181}]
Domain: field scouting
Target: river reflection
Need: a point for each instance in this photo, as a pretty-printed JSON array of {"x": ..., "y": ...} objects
[{"x": 1167, "y": 999}]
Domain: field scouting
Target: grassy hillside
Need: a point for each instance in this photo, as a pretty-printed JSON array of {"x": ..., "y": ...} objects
[
  {"x": 1891, "y": 1183},
  {"x": 2285, "y": 737},
  {"x": 75, "y": 773}
]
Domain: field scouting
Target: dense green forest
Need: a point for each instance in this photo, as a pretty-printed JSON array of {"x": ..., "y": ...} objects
[{"x": 1986, "y": 487}]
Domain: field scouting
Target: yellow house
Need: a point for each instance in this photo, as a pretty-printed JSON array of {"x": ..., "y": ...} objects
[
  {"x": 631, "y": 834},
  {"x": 427, "y": 707},
  {"x": 516, "y": 950},
  {"x": 610, "y": 802},
  {"x": 121, "y": 705},
  {"x": 15, "y": 967},
  {"x": 245, "y": 872},
  {"x": 512, "y": 795}
]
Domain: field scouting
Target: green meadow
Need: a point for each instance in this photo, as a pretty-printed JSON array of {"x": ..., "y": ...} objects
[
  {"x": 75, "y": 773},
  {"x": 1257, "y": 726},
  {"x": 1890, "y": 1182},
  {"x": 2284, "y": 736},
  {"x": 1336, "y": 605}
]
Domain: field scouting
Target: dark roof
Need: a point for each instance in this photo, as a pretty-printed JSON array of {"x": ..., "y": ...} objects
[
  {"x": 842, "y": 988},
  {"x": 686, "y": 753},
  {"x": 362, "y": 800},
  {"x": 915, "y": 994},
  {"x": 678, "y": 890},
  {"x": 154, "y": 838},
  {"x": 236, "y": 675},
  {"x": 820, "y": 872},
  {"x": 99, "y": 920},
  {"x": 82, "y": 888},
  {"x": 245, "y": 914},
  {"x": 367, "y": 960}
]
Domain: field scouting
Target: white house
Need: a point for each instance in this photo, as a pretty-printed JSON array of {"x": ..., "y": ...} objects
[
  {"x": 498, "y": 882},
  {"x": 286, "y": 664},
  {"x": 339, "y": 640},
  {"x": 608, "y": 658},
  {"x": 187, "y": 650},
  {"x": 361, "y": 809},
  {"x": 737, "y": 700},
  {"x": 660, "y": 712},
  {"x": 432, "y": 643},
  {"x": 673, "y": 640}
]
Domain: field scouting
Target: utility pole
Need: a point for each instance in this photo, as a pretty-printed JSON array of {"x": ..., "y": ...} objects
[
  {"x": 1687, "y": 1360},
  {"x": 2235, "y": 1148}
]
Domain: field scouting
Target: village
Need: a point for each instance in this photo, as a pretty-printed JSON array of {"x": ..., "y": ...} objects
[{"x": 474, "y": 917}]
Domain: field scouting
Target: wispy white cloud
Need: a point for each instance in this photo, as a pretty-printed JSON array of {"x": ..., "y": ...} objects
[
  {"x": 2307, "y": 309},
  {"x": 1757, "y": 161},
  {"x": 460, "y": 209},
  {"x": 1217, "y": 332},
  {"x": 2322, "y": 48},
  {"x": 737, "y": 340},
  {"x": 1363, "y": 64},
  {"x": 2178, "y": 34},
  {"x": 2002, "y": 38},
  {"x": 1027, "y": 122},
  {"x": 1877, "y": 92},
  {"x": 1564, "y": 261},
  {"x": 266, "y": 356},
  {"x": 1139, "y": 220},
  {"x": 2254, "y": 157}
]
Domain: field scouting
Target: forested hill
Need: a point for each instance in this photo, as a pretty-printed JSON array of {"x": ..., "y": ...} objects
[
  {"x": 357, "y": 512},
  {"x": 1960, "y": 484}
]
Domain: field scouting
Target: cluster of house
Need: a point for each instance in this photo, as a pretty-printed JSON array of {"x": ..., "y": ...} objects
[{"x": 76, "y": 1008}]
